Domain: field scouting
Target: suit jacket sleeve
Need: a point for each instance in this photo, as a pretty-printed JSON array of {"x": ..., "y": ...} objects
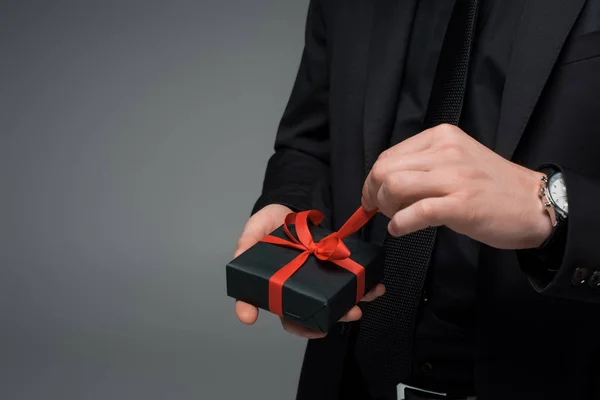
[
  {"x": 571, "y": 267},
  {"x": 297, "y": 174}
]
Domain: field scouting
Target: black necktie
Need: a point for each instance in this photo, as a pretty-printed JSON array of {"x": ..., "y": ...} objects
[{"x": 384, "y": 341}]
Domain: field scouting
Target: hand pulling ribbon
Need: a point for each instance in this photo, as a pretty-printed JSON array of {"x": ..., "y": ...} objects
[{"x": 330, "y": 248}]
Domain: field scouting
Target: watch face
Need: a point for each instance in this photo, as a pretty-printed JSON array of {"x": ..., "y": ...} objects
[{"x": 558, "y": 192}]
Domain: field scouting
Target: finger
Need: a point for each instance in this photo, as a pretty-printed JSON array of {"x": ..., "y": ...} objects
[
  {"x": 265, "y": 221},
  {"x": 403, "y": 188},
  {"x": 244, "y": 244},
  {"x": 429, "y": 160},
  {"x": 383, "y": 167},
  {"x": 433, "y": 211},
  {"x": 253, "y": 232},
  {"x": 354, "y": 314},
  {"x": 369, "y": 193},
  {"x": 427, "y": 139},
  {"x": 374, "y": 293},
  {"x": 246, "y": 313},
  {"x": 424, "y": 160},
  {"x": 300, "y": 330}
]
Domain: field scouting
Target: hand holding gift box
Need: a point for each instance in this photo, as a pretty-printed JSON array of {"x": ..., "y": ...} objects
[{"x": 308, "y": 274}]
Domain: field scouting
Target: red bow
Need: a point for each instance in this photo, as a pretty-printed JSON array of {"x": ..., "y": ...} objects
[{"x": 330, "y": 248}]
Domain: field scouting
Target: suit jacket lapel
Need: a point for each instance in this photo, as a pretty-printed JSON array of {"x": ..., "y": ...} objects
[
  {"x": 544, "y": 27},
  {"x": 390, "y": 33}
]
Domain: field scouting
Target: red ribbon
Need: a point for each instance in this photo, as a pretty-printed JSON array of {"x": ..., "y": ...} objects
[{"x": 330, "y": 248}]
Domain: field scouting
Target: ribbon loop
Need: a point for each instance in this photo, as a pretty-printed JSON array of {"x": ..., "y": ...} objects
[{"x": 331, "y": 248}]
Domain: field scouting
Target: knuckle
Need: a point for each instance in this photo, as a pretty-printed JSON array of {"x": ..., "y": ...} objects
[
  {"x": 453, "y": 152},
  {"x": 436, "y": 136},
  {"x": 424, "y": 210},
  {"x": 378, "y": 172},
  {"x": 393, "y": 184},
  {"x": 389, "y": 194},
  {"x": 389, "y": 183},
  {"x": 446, "y": 127},
  {"x": 365, "y": 190},
  {"x": 446, "y": 133},
  {"x": 464, "y": 181},
  {"x": 383, "y": 154},
  {"x": 440, "y": 131}
]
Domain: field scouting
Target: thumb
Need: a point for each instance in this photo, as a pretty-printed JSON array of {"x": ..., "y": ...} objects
[
  {"x": 260, "y": 225},
  {"x": 256, "y": 228},
  {"x": 253, "y": 232}
]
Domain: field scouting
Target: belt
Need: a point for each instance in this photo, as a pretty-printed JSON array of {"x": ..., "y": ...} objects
[{"x": 412, "y": 393}]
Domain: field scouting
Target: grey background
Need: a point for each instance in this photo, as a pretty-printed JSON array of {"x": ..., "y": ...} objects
[{"x": 133, "y": 140}]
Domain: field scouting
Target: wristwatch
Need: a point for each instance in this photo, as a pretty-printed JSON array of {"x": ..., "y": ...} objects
[{"x": 553, "y": 194}]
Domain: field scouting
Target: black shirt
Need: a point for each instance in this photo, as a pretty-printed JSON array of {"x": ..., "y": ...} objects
[{"x": 444, "y": 334}]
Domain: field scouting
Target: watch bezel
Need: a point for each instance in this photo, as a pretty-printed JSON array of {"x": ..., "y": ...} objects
[
  {"x": 552, "y": 178},
  {"x": 557, "y": 216}
]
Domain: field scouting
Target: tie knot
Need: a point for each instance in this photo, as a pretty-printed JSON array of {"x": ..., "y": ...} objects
[{"x": 330, "y": 248}]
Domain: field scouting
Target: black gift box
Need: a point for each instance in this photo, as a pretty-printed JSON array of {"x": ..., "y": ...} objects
[{"x": 318, "y": 294}]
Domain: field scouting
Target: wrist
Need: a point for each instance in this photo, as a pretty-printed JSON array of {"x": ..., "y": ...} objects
[
  {"x": 543, "y": 223},
  {"x": 544, "y": 227},
  {"x": 553, "y": 196},
  {"x": 547, "y": 254}
]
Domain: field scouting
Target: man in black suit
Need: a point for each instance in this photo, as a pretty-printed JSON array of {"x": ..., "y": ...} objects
[{"x": 480, "y": 118}]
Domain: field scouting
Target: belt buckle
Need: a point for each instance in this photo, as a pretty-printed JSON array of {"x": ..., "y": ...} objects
[
  {"x": 425, "y": 392},
  {"x": 402, "y": 388}
]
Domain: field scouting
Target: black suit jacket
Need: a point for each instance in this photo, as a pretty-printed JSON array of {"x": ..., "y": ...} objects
[{"x": 538, "y": 335}]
